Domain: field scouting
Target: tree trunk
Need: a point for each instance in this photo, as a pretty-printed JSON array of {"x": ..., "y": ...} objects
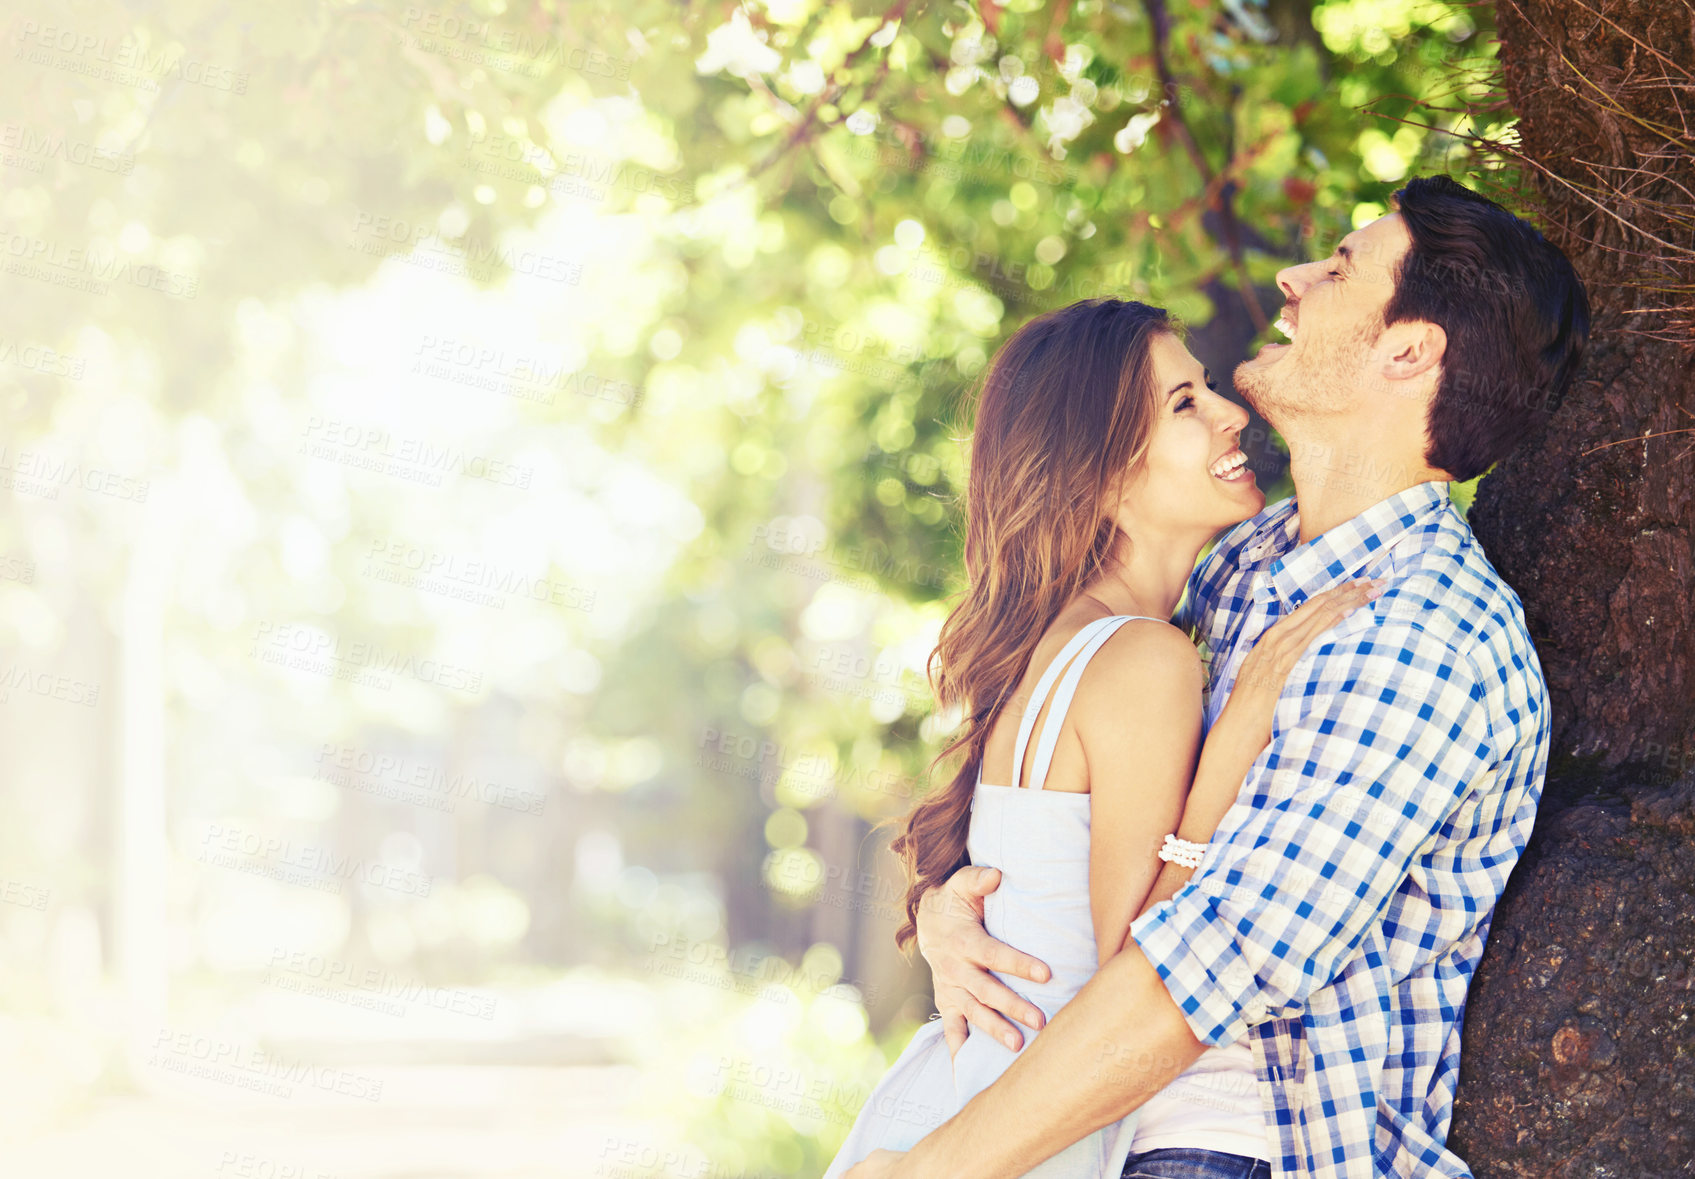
[{"x": 1579, "y": 1052}]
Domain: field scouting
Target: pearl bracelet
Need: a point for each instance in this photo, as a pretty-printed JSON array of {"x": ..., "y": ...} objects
[{"x": 1182, "y": 852}]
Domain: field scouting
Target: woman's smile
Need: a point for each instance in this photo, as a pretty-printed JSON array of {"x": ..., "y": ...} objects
[{"x": 1232, "y": 468}]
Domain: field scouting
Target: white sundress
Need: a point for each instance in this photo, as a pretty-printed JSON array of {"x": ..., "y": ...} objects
[{"x": 1039, "y": 839}]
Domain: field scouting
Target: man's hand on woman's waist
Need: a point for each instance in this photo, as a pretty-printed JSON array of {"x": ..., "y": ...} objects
[{"x": 961, "y": 954}]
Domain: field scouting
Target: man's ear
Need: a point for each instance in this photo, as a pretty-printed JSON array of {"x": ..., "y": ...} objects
[{"x": 1411, "y": 349}]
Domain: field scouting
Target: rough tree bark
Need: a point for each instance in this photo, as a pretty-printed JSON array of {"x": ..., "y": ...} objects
[{"x": 1579, "y": 1052}]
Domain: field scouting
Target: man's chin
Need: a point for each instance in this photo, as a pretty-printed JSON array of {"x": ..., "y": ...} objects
[{"x": 1256, "y": 386}]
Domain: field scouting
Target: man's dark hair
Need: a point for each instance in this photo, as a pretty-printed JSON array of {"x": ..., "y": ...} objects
[{"x": 1515, "y": 313}]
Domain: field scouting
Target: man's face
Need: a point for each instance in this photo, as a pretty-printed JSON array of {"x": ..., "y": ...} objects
[{"x": 1333, "y": 316}]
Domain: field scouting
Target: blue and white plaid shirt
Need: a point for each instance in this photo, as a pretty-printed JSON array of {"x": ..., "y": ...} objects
[{"x": 1343, "y": 903}]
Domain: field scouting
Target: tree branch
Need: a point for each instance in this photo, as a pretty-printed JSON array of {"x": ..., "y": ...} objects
[
  {"x": 1219, "y": 188},
  {"x": 808, "y": 125}
]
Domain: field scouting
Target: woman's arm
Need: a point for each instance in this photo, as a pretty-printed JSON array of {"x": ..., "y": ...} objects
[
  {"x": 1226, "y": 757},
  {"x": 1137, "y": 715},
  {"x": 1243, "y": 728}
]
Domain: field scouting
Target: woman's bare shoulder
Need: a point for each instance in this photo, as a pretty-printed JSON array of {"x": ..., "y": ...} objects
[{"x": 1147, "y": 662}]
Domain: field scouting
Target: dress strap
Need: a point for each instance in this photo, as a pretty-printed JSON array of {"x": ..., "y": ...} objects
[
  {"x": 1105, "y": 628},
  {"x": 1027, "y": 723}
]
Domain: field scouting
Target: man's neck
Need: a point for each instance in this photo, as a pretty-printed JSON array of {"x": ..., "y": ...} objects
[{"x": 1339, "y": 475}]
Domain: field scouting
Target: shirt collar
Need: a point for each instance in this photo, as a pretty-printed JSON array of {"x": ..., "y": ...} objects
[{"x": 1298, "y": 571}]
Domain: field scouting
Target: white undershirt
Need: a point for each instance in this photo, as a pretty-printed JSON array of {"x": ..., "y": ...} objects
[{"x": 1214, "y": 1104}]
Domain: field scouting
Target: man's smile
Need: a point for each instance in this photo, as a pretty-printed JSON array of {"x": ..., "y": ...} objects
[{"x": 1285, "y": 324}]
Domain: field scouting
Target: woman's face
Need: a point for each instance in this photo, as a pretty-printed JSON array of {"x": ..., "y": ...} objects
[{"x": 1193, "y": 478}]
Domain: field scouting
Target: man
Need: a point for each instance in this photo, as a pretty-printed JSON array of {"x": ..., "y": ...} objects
[{"x": 1344, "y": 901}]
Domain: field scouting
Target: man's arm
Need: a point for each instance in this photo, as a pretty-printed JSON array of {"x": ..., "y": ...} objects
[
  {"x": 1119, "y": 1041},
  {"x": 1373, "y": 751}
]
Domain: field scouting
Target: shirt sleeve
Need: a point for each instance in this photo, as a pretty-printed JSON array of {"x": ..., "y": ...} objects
[{"x": 1378, "y": 738}]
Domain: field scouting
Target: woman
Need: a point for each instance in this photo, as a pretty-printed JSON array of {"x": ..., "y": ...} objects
[{"x": 1102, "y": 461}]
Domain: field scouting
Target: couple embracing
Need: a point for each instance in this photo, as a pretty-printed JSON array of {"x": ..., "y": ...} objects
[{"x": 1238, "y": 889}]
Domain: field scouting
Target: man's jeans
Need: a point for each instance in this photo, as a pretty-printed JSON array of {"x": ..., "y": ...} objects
[{"x": 1185, "y": 1162}]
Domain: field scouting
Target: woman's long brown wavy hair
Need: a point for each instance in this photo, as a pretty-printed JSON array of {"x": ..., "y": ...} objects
[{"x": 1064, "y": 412}]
